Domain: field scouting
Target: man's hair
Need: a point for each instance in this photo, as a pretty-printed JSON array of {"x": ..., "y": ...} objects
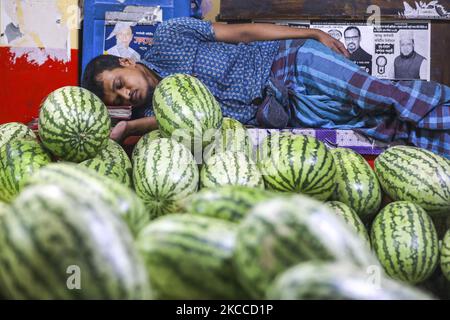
[
  {"x": 353, "y": 28},
  {"x": 94, "y": 68}
]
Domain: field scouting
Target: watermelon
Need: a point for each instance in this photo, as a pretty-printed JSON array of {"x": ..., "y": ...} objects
[
  {"x": 405, "y": 241},
  {"x": 53, "y": 235},
  {"x": 143, "y": 142},
  {"x": 112, "y": 161},
  {"x": 270, "y": 143},
  {"x": 3, "y": 208},
  {"x": 185, "y": 108},
  {"x": 357, "y": 184},
  {"x": 124, "y": 201},
  {"x": 338, "y": 281},
  {"x": 417, "y": 175},
  {"x": 445, "y": 255},
  {"x": 18, "y": 160},
  {"x": 230, "y": 203},
  {"x": 230, "y": 168},
  {"x": 282, "y": 232},
  {"x": 74, "y": 124},
  {"x": 189, "y": 257},
  {"x": 165, "y": 173},
  {"x": 350, "y": 216},
  {"x": 232, "y": 136},
  {"x": 14, "y": 131},
  {"x": 297, "y": 163}
]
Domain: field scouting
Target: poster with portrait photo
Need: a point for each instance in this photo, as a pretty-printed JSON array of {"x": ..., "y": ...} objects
[
  {"x": 403, "y": 50},
  {"x": 126, "y": 40},
  {"x": 357, "y": 38},
  {"x": 397, "y": 50},
  {"x": 129, "y": 34}
]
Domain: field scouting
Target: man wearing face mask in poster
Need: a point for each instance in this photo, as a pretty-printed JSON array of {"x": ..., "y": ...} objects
[
  {"x": 352, "y": 37},
  {"x": 409, "y": 64}
]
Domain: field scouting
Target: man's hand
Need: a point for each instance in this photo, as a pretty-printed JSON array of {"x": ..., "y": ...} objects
[
  {"x": 119, "y": 132},
  {"x": 332, "y": 43},
  {"x": 137, "y": 127}
]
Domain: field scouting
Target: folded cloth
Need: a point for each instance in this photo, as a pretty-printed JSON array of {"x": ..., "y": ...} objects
[{"x": 274, "y": 112}]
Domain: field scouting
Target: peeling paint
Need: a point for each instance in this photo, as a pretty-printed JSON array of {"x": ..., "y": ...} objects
[
  {"x": 39, "y": 30},
  {"x": 38, "y": 56}
]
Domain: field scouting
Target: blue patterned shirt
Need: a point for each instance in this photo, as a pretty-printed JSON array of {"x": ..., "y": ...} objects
[{"x": 235, "y": 73}]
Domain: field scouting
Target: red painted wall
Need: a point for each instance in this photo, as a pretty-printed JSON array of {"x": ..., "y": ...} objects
[{"x": 23, "y": 86}]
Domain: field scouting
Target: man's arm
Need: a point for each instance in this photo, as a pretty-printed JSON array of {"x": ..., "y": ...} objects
[
  {"x": 142, "y": 126},
  {"x": 136, "y": 127},
  {"x": 249, "y": 32}
]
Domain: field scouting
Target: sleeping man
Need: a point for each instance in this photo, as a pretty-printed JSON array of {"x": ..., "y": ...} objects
[{"x": 306, "y": 70}]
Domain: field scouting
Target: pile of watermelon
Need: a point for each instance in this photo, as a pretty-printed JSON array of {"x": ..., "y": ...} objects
[{"x": 197, "y": 213}]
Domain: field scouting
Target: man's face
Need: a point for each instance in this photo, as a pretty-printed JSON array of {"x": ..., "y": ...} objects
[
  {"x": 131, "y": 85},
  {"x": 352, "y": 40},
  {"x": 124, "y": 37},
  {"x": 406, "y": 46}
]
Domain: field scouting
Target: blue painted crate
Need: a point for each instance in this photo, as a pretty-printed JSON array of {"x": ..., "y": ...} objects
[{"x": 94, "y": 36}]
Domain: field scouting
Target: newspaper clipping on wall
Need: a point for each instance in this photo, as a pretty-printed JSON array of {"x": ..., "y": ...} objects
[
  {"x": 394, "y": 50},
  {"x": 402, "y": 51}
]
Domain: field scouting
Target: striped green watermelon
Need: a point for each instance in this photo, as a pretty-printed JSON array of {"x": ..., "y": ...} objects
[
  {"x": 230, "y": 203},
  {"x": 350, "y": 216},
  {"x": 338, "y": 281},
  {"x": 143, "y": 142},
  {"x": 122, "y": 199},
  {"x": 3, "y": 205},
  {"x": 3, "y": 208},
  {"x": 445, "y": 255},
  {"x": 357, "y": 184},
  {"x": 18, "y": 160},
  {"x": 74, "y": 124},
  {"x": 54, "y": 234},
  {"x": 112, "y": 161},
  {"x": 298, "y": 163},
  {"x": 405, "y": 241},
  {"x": 230, "y": 168},
  {"x": 13, "y": 131},
  {"x": 270, "y": 143},
  {"x": 282, "y": 232},
  {"x": 189, "y": 257},
  {"x": 232, "y": 136},
  {"x": 164, "y": 174},
  {"x": 185, "y": 108},
  {"x": 416, "y": 175}
]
